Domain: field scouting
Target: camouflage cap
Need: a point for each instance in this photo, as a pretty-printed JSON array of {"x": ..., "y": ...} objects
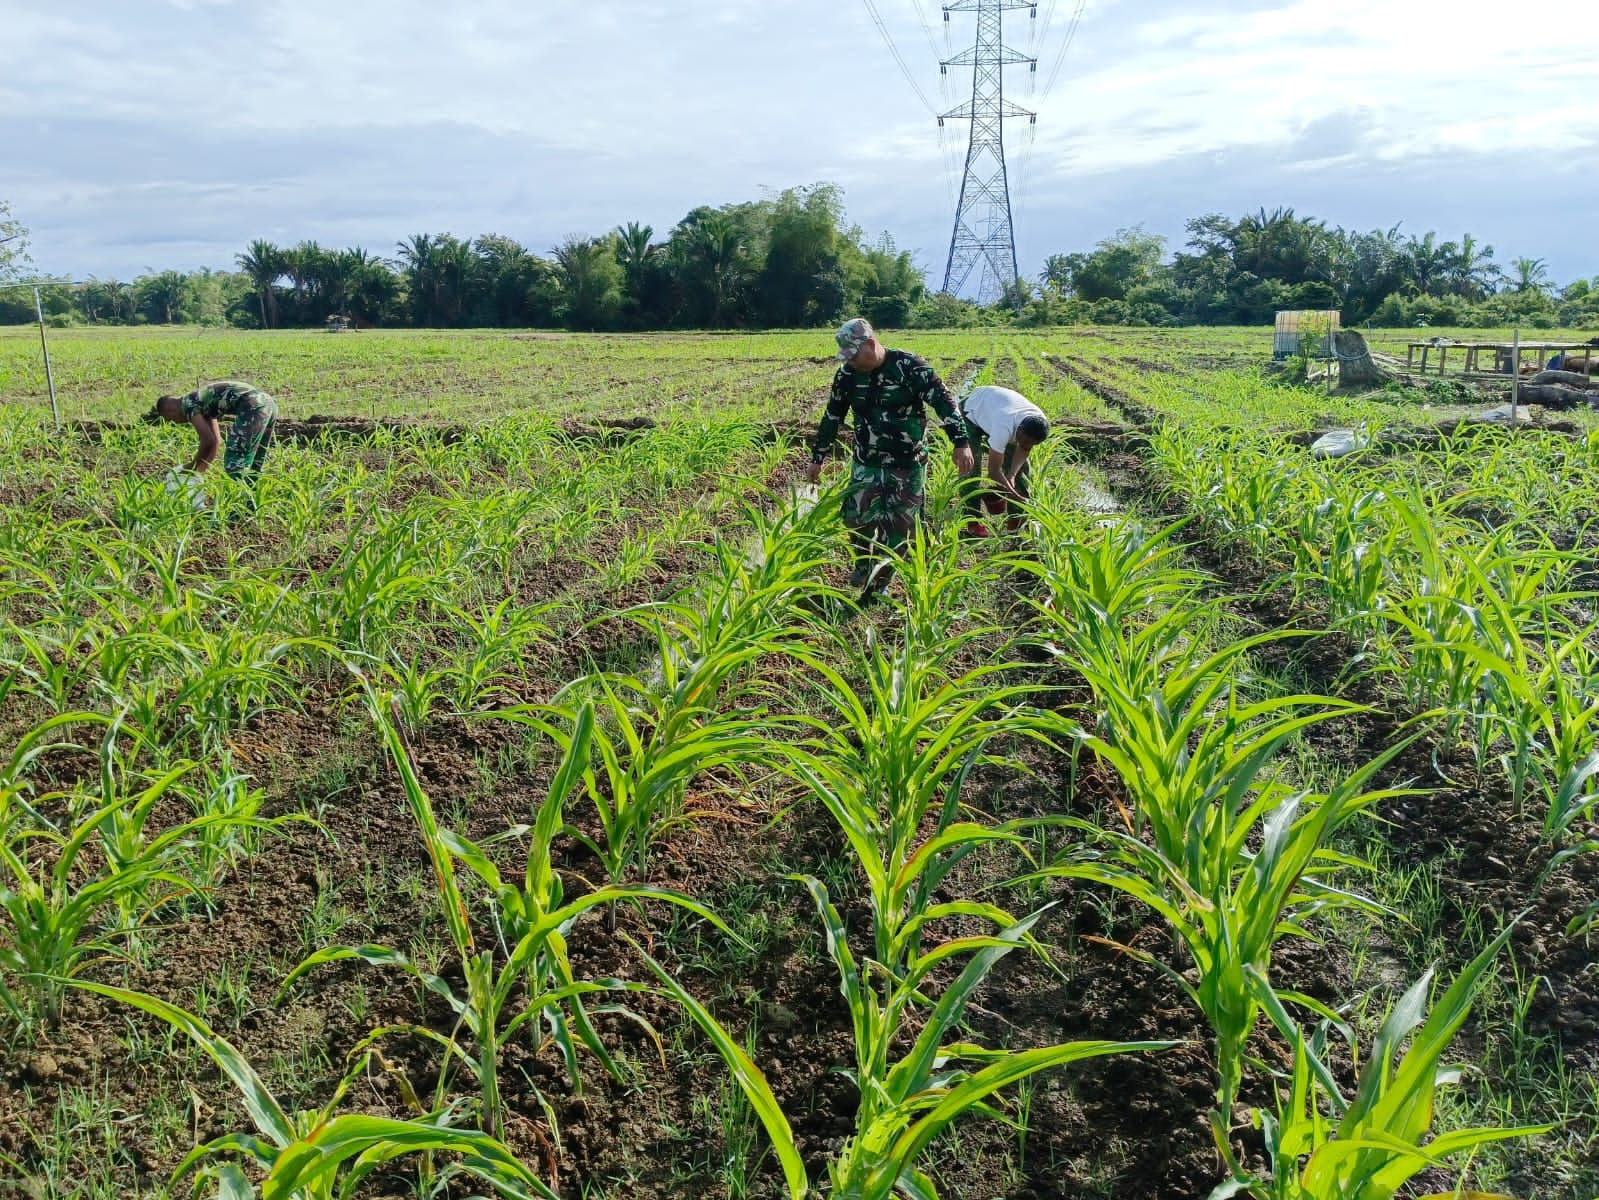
[{"x": 851, "y": 336}]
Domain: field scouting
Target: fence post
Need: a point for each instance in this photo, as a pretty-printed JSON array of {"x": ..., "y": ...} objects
[
  {"x": 44, "y": 345},
  {"x": 1515, "y": 375}
]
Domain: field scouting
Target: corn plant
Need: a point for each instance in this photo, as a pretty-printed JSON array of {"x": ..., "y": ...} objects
[
  {"x": 698, "y": 706},
  {"x": 418, "y": 689},
  {"x": 321, "y": 1154},
  {"x": 525, "y": 974},
  {"x": 1115, "y": 597},
  {"x": 1369, "y": 1147},
  {"x": 497, "y": 639},
  {"x": 375, "y": 582},
  {"x": 1256, "y": 870},
  {"x": 72, "y": 891},
  {"x": 1342, "y": 548},
  {"x": 1460, "y": 597},
  {"x": 888, "y": 761},
  {"x": 1228, "y": 854}
]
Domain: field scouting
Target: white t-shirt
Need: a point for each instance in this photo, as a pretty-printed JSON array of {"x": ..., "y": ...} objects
[{"x": 997, "y": 411}]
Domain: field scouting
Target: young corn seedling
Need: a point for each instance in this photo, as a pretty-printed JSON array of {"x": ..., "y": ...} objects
[
  {"x": 525, "y": 975},
  {"x": 1226, "y": 853},
  {"x": 1323, "y": 1147},
  {"x": 322, "y": 1154},
  {"x": 76, "y": 890},
  {"x": 700, "y": 707},
  {"x": 498, "y": 637}
]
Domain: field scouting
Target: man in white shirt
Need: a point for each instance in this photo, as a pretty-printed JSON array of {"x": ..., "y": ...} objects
[{"x": 1004, "y": 426}]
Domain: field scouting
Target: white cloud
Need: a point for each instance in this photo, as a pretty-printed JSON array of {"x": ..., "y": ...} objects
[{"x": 133, "y": 127}]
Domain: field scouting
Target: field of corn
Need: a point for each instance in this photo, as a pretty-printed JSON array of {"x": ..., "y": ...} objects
[{"x": 518, "y": 804}]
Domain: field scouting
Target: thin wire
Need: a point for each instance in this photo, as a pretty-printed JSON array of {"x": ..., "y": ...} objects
[
  {"x": 932, "y": 42},
  {"x": 1043, "y": 26},
  {"x": 1066, "y": 44},
  {"x": 888, "y": 40}
]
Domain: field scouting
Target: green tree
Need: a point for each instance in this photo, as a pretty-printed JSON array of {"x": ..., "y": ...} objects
[
  {"x": 591, "y": 282},
  {"x": 802, "y": 283},
  {"x": 1472, "y": 273},
  {"x": 13, "y": 244},
  {"x": 1530, "y": 275},
  {"x": 715, "y": 263},
  {"x": 439, "y": 271},
  {"x": 160, "y": 297},
  {"x": 105, "y": 300},
  {"x": 514, "y": 287},
  {"x": 263, "y": 263},
  {"x": 1427, "y": 263},
  {"x": 633, "y": 249},
  {"x": 1114, "y": 267},
  {"x": 1056, "y": 276},
  {"x": 891, "y": 285}
]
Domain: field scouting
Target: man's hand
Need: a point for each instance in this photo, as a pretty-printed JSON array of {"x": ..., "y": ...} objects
[
  {"x": 964, "y": 462},
  {"x": 813, "y": 473}
]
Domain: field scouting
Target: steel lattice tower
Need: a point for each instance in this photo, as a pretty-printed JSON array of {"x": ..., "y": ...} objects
[{"x": 983, "y": 232}]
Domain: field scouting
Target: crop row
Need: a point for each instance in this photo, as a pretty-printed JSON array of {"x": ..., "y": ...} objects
[{"x": 405, "y": 580}]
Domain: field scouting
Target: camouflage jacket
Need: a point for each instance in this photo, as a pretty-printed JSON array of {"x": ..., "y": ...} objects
[
  {"x": 225, "y": 398},
  {"x": 890, "y": 407}
]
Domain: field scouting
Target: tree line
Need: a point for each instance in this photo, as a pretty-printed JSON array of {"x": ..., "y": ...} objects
[
  {"x": 1242, "y": 271},
  {"x": 790, "y": 261},
  {"x": 782, "y": 262}
]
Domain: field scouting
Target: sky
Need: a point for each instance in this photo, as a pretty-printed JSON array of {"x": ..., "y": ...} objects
[{"x": 139, "y": 135}]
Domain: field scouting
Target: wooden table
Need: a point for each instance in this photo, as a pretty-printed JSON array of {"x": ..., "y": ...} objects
[{"x": 1502, "y": 353}]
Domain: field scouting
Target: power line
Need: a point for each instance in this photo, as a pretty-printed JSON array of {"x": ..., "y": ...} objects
[
  {"x": 910, "y": 78},
  {"x": 1066, "y": 44},
  {"x": 927, "y": 28},
  {"x": 888, "y": 40}
]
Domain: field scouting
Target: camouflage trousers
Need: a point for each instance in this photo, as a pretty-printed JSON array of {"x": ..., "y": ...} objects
[
  {"x": 250, "y": 440},
  {"x": 882, "y": 506}
]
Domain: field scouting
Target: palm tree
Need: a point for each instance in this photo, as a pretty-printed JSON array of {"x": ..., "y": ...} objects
[
  {"x": 1426, "y": 262},
  {"x": 420, "y": 255},
  {"x": 1530, "y": 274},
  {"x": 440, "y": 271},
  {"x": 338, "y": 275},
  {"x": 1472, "y": 272},
  {"x": 263, "y": 263},
  {"x": 1057, "y": 273},
  {"x": 633, "y": 247},
  {"x": 591, "y": 279},
  {"x": 161, "y": 296},
  {"x": 716, "y": 250}
]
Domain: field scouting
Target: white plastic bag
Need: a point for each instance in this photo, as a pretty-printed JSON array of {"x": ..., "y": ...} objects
[
  {"x": 1338, "y": 443},
  {"x": 1501, "y": 415},
  {"x": 188, "y": 484}
]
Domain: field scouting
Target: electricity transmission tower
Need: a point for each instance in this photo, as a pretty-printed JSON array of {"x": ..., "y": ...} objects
[{"x": 983, "y": 234}]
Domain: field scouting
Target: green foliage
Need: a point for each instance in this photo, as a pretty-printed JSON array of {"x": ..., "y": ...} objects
[
  {"x": 507, "y": 988},
  {"x": 13, "y": 244},
  {"x": 1111, "y": 270},
  {"x": 591, "y": 282},
  {"x": 1369, "y": 1147},
  {"x": 82, "y": 871},
  {"x": 321, "y": 1154}
]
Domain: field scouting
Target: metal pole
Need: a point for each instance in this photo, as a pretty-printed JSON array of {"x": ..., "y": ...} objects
[
  {"x": 1515, "y": 375},
  {"x": 44, "y": 345}
]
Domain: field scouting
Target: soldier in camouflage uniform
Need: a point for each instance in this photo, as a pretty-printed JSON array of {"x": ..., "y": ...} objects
[
  {"x": 889, "y": 391},
  {"x": 253, "y": 411}
]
